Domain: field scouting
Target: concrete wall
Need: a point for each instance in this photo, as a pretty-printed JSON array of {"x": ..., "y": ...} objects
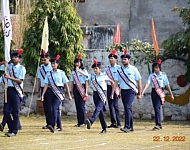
[{"x": 134, "y": 16}]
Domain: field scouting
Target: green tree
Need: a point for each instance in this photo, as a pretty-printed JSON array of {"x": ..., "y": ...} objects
[
  {"x": 178, "y": 45},
  {"x": 65, "y": 34}
]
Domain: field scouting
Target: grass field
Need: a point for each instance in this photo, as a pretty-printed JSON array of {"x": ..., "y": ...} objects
[{"x": 175, "y": 135}]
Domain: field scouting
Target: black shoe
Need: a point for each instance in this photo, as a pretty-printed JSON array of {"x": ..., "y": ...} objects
[
  {"x": 103, "y": 131},
  {"x": 88, "y": 124},
  {"x": 82, "y": 125},
  {"x": 157, "y": 127},
  {"x": 45, "y": 127},
  {"x": 112, "y": 126},
  {"x": 118, "y": 126},
  {"x": 58, "y": 130},
  {"x": 125, "y": 130},
  {"x": 7, "y": 133},
  {"x": 1, "y": 127},
  {"x": 51, "y": 128},
  {"x": 10, "y": 134}
]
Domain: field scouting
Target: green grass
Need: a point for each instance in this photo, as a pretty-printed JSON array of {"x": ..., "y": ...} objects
[{"x": 33, "y": 137}]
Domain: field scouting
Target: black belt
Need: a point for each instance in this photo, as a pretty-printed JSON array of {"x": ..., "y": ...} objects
[
  {"x": 11, "y": 87},
  {"x": 97, "y": 91},
  {"x": 126, "y": 89},
  {"x": 154, "y": 88}
]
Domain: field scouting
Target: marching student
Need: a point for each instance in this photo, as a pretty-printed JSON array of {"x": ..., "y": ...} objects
[
  {"x": 79, "y": 88},
  {"x": 98, "y": 80},
  {"x": 55, "y": 81},
  {"x": 15, "y": 74},
  {"x": 158, "y": 81},
  {"x": 42, "y": 71},
  {"x": 128, "y": 78},
  {"x": 111, "y": 71}
]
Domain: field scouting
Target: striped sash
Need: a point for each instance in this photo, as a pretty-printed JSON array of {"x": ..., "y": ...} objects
[
  {"x": 109, "y": 74},
  {"x": 56, "y": 90},
  {"x": 158, "y": 89},
  {"x": 79, "y": 86},
  {"x": 43, "y": 72},
  {"x": 127, "y": 80},
  {"x": 99, "y": 89},
  {"x": 16, "y": 85}
]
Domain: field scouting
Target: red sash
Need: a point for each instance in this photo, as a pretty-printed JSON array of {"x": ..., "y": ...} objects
[
  {"x": 158, "y": 89},
  {"x": 79, "y": 86},
  {"x": 109, "y": 74}
]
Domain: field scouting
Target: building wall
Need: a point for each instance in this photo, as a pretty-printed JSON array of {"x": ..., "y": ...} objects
[{"x": 134, "y": 16}]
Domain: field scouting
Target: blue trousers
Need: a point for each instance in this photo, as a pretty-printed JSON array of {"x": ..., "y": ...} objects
[
  {"x": 80, "y": 106},
  {"x": 127, "y": 99},
  {"x": 98, "y": 110},
  {"x": 54, "y": 104},
  {"x": 156, "y": 101},
  {"x": 113, "y": 107},
  {"x": 4, "y": 122},
  {"x": 46, "y": 105},
  {"x": 12, "y": 110}
]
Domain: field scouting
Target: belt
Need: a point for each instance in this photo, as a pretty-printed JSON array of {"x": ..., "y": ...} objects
[
  {"x": 97, "y": 91},
  {"x": 11, "y": 87},
  {"x": 126, "y": 89},
  {"x": 154, "y": 88}
]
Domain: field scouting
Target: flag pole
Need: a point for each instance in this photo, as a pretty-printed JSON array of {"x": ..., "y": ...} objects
[
  {"x": 33, "y": 88},
  {"x": 5, "y": 87}
]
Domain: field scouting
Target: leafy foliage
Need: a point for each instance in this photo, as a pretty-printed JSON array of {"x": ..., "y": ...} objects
[
  {"x": 147, "y": 54},
  {"x": 178, "y": 45},
  {"x": 65, "y": 34}
]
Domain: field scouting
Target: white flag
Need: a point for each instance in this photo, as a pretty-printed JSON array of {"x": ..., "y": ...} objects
[
  {"x": 7, "y": 28},
  {"x": 45, "y": 36}
]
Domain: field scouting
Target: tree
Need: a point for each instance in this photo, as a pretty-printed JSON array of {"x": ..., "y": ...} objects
[
  {"x": 65, "y": 34},
  {"x": 178, "y": 45}
]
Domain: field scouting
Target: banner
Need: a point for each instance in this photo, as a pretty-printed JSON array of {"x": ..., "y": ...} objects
[
  {"x": 116, "y": 39},
  {"x": 156, "y": 48},
  {"x": 45, "y": 36},
  {"x": 7, "y": 28}
]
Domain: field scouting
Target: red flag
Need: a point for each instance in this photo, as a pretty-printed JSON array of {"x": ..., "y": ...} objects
[
  {"x": 116, "y": 39},
  {"x": 156, "y": 48}
]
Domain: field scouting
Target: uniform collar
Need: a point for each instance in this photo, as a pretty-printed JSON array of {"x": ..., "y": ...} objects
[
  {"x": 16, "y": 66},
  {"x": 49, "y": 64},
  {"x": 113, "y": 66},
  {"x": 127, "y": 66},
  {"x": 158, "y": 74}
]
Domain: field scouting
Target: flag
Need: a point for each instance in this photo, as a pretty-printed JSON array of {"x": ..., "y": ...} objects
[
  {"x": 45, "y": 36},
  {"x": 156, "y": 48},
  {"x": 7, "y": 28},
  {"x": 116, "y": 39}
]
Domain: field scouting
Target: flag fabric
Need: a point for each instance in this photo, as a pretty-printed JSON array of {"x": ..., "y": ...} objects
[
  {"x": 156, "y": 48},
  {"x": 116, "y": 39},
  {"x": 7, "y": 28},
  {"x": 45, "y": 36}
]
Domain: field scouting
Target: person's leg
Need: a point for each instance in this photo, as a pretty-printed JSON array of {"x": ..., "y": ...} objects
[
  {"x": 156, "y": 101},
  {"x": 111, "y": 107},
  {"x": 76, "y": 98},
  {"x": 127, "y": 99},
  {"x": 7, "y": 109},
  {"x": 46, "y": 106},
  {"x": 117, "y": 112}
]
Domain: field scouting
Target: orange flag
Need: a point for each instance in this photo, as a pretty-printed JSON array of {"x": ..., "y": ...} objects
[
  {"x": 116, "y": 39},
  {"x": 156, "y": 48}
]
